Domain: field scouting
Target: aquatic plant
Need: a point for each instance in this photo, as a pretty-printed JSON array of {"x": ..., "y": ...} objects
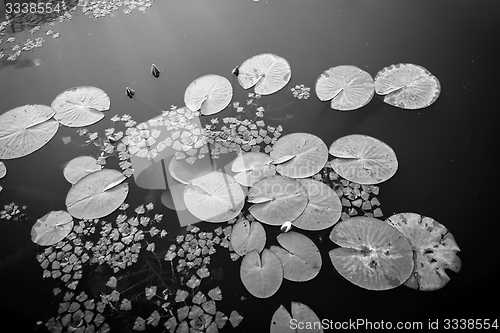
[
  {"x": 252, "y": 167},
  {"x": 80, "y": 167},
  {"x": 407, "y": 86},
  {"x": 268, "y": 72},
  {"x": 247, "y": 236},
  {"x": 300, "y": 91},
  {"x": 261, "y": 274},
  {"x": 348, "y": 87},
  {"x": 51, "y": 228},
  {"x": 25, "y": 129},
  {"x": 12, "y": 212},
  {"x": 209, "y": 94},
  {"x": 3, "y": 170},
  {"x": 301, "y": 313}
]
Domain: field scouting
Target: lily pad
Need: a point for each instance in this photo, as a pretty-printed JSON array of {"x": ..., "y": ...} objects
[
  {"x": 435, "y": 248},
  {"x": 323, "y": 209},
  {"x": 277, "y": 199},
  {"x": 51, "y": 228},
  {"x": 80, "y": 106},
  {"x": 97, "y": 194},
  {"x": 3, "y": 170},
  {"x": 184, "y": 172},
  {"x": 348, "y": 87},
  {"x": 26, "y": 129},
  {"x": 246, "y": 236},
  {"x": 268, "y": 72},
  {"x": 209, "y": 94},
  {"x": 299, "y": 256},
  {"x": 373, "y": 255},
  {"x": 363, "y": 159},
  {"x": 79, "y": 167},
  {"x": 299, "y": 155},
  {"x": 252, "y": 167},
  {"x": 173, "y": 197},
  {"x": 301, "y": 313},
  {"x": 214, "y": 197},
  {"x": 407, "y": 86},
  {"x": 261, "y": 277}
]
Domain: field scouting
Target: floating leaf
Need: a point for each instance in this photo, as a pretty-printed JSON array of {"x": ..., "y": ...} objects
[
  {"x": 79, "y": 167},
  {"x": 185, "y": 172},
  {"x": 181, "y": 295},
  {"x": 215, "y": 294},
  {"x": 323, "y": 209},
  {"x": 199, "y": 298},
  {"x": 252, "y": 167},
  {"x": 277, "y": 199},
  {"x": 51, "y": 228},
  {"x": 26, "y": 129},
  {"x": 193, "y": 282},
  {"x": 299, "y": 256},
  {"x": 209, "y": 94},
  {"x": 299, "y": 155},
  {"x": 407, "y": 86},
  {"x": 154, "y": 319},
  {"x": 97, "y": 194},
  {"x": 281, "y": 320},
  {"x": 220, "y": 319},
  {"x": 267, "y": 72},
  {"x": 3, "y": 170},
  {"x": 209, "y": 307},
  {"x": 348, "y": 87},
  {"x": 247, "y": 236},
  {"x": 140, "y": 324},
  {"x": 235, "y": 318},
  {"x": 80, "y": 106},
  {"x": 373, "y": 255},
  {"x": 261, "y": 277},
  {"x": 112, "y": 282},
  {"x": 214, "y": 197},
  {"x": 435, "y": 248},
  {"x": 363, "y": 159}
]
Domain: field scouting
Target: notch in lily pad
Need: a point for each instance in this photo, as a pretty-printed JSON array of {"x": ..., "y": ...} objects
[
  {"x": 268, "y": 72},
  {"x": 301, "y": 313},
  {"x": 262, "y": 276},
  {"x": 435, "y": 249},
  {"x": 372, "y": 254}
]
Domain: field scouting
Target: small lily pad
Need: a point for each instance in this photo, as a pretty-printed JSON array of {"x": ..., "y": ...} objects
[
  {"x": 209, "y": 94},
  {"x": 268, "y": 72},
  {"x": 301, "y": 313},
  {"x": 363, "y": 159},
  {"x": 79, "y": 167},
  {"x": 261, "y": 277},
  {"x": 373, "y": 255},
  {"x": 51, "y": 228},
  {"x": 407, "y": 86},
  {"x": 435, "y": 248},
  {"x": 246, "y": 236},
  {"x": 252, "y": 167}
]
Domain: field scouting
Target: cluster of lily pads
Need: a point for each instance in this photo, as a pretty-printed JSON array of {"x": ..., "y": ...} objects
[{"x": 98, "y": 9}]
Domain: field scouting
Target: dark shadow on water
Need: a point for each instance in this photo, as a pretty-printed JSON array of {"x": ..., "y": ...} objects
[{"x": 18, "y": 63}]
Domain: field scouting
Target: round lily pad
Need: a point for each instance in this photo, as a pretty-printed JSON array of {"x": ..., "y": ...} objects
[
  {"x": 277, "y": 199},
  {"x": 246, "y": 236},
  {"x": 79, "y": 167},
  {"x": 435, "y": 248},
  {"x": 261, "y": 276},
  {"x": 214, "y": 197},
  {"x": 363, "y": 159},
  {"x": 373, "y": 255},
  {"x": 407, "y": 86},
  {"x": 97, "y": 194},
  {"x": 268, "y": 72},
  {"x": 184, "y": 172},
  {"x": 323, "y": 209},
  {"x": 80, "y": 106},
  {"x": 299, "y": 256},
  {"x": 348, "y": 87},
  {"x": 209, "y": 94},
  {"x": 252, "y": 167},
  {"x": 301, "y": 313},
  {"x": 3, "y": 170},
  {"x": 51, "y": 228},
  {"x": 299, "y": 155},
  {"x": 26, "y": 129}
]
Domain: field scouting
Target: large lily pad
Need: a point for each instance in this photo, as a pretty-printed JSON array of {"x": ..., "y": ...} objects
[
  {"x": 281, "y": 322},
  {"x": 299, "y": 256},
  {"x": 209, "y": 94},
  {"x": 214, "y": 197},
  {"x": 51, "y": 228},
  {"x": 252, "y": 167},
  {"x": 80, "y": 106},
  {"x": 407, "y": 86},
  {"x": 247, "y": 236},
  {"x": 323, "y": 209},
  {"x": 299, "y": 155},
  {"x": 363, "y": 159},
  {"x": 26, "y": 129},
  {"x": 268, "y": 72},
  {"x": 373, "y": 254},
  {"x": 261, "y": 277},
  {"x": 348, "y": 87},
  {"x": 79, "y": 167},
  {"x": 97, "y": 194},
  {"x": 277, "y": 199},
  {"x": 435, "y": 249}
]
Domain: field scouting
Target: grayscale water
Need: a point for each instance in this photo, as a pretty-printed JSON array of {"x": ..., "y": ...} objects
[{"x": 446, "y": 152}]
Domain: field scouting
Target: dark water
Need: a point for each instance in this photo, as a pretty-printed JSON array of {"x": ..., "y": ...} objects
[{"x": 445, "y": 152}]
